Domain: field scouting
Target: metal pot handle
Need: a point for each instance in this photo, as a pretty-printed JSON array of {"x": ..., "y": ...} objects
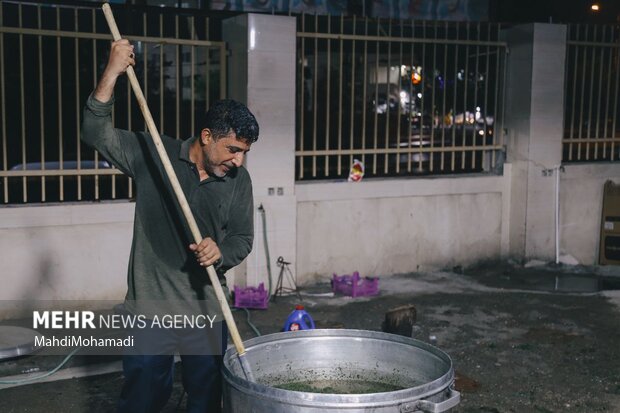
[{"x": 454, "y": 397}]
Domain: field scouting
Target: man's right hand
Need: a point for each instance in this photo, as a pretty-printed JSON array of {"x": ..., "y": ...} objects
[{"x": 121, "y": 56}]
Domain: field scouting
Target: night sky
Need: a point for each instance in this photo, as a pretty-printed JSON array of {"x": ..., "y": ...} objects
[{"x": 556, "y": 11}]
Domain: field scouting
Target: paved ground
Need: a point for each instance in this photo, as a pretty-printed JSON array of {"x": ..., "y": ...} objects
[{"x": 534, "y": 339}]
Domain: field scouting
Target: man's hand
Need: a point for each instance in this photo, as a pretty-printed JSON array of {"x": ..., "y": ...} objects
[
  {"x": 121, "y": 57},
  {"x": 207, "y": 252}
]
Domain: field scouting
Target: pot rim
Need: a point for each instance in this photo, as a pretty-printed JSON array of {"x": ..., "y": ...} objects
[{"x": 343, "y": 400}]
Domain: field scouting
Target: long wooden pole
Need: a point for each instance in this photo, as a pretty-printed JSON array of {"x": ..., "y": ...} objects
[{"x": 187, "y": 212}]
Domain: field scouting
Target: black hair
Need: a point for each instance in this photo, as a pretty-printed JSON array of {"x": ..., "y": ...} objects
[{"x": 228, "y": 115}]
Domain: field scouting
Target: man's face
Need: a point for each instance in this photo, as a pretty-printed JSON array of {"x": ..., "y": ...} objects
[{"x": 224, "y": 154}]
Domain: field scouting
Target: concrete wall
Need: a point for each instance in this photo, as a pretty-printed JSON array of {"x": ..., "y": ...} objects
[
  {"x": 382, "y": 227},
  {"x": 581, "y": 204},
  {"x": 534, "y": 122},
  {"x": 63, "y": 252}
]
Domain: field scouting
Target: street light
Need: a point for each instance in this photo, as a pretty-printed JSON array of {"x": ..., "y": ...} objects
[{"x": 595, "y": 7}]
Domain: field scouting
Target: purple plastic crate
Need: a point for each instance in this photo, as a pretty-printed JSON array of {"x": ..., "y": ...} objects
[
  {"x": 354, "y": 285},
  {"x": 251, "y": 297}
]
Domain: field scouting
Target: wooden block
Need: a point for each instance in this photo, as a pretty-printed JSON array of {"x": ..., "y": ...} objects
[{"x": 400, "y": 320}]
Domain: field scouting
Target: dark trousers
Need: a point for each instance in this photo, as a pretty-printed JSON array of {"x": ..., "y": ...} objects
[{"x": 149, "y": 369}]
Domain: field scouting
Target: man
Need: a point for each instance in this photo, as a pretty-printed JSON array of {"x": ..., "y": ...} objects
[{"x": 166, "y": 269}]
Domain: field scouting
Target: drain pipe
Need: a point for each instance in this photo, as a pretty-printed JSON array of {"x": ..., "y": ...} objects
[
  {"x": 261, "y": 209},
  {"x": 557, "y": 169}
]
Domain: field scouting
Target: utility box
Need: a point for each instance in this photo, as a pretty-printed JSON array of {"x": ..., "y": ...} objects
[{"x": 609, "y": 250}]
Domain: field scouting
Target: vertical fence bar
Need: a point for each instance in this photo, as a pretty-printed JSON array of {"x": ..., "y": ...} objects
[
  {"x": 583, "y": 87},
  {"x": 352, "y": 94},
  {"x": 376, "y": 105},
  {"x": 145, "y": 61},
  {"x": 41, "y": 108},
  {"x": 177, "y": 85},
  {"x": 161, "y": 75},
  {"x": 61, "y": 188},
  {"x": 22, "y": 95},
  {"x": 76, "y": 58},
  {"x": 484, "y": 113},
  {"x": 567, "y": 94},
  {"x": 145, "y": 80},
  {"x": 5, "y": 165},
  {"x": 598, "y": 97},
  {"x": 128, "y": 95},
  {"x": 501, "y": 101},
  {"x": 466, "y": 88},
  {"x": 615, "y": 112},
  {"x": 433, "y": 106},
  {"x": 608, "y": 92},
  {"x": 413, "y": 110},
  {"x": 591, "y": 89},
  {"x": 315, "y": 78},
  {"x": 94, "y": 22},
  {"x": 328, "y": 100},
  {"x": 400, "y": 90},
  {"x": 207, "y": 68},
  {"x": 302, "y": 92},
  {"x": 423, "y": 99},
  {"x": 454, "y": 98},
  {"x": 443, "y": 99},
  {"x": 364, "y": 90},
  {"x": 340, "y": 86},
  {"x": 192, "y": 102},
  {"x": 302, "y": 99},
  {"x": 475, "y": 106},
  {"x": 223, "y": 71},
  {"x": 388, "y": 71},
  {"x": 573, "y": 117}
]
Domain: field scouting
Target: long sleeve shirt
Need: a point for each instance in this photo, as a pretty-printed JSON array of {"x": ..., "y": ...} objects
[{"x": 162, "y": 269}]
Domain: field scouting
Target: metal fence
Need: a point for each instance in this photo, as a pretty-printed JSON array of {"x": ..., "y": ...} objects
[
  {"x": 50, "y": 60},
  {"x": 591, "y": 106},
  {"x": 403, "y": 97}
]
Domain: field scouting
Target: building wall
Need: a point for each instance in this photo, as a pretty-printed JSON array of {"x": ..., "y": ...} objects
[
  {"x": 68, "y": 252},
  {"x": 383, "y": 227},
  {"x": 581, "y": 205},
  {"x": 534, "y": 128},
  {"x": 63, "y": 252}
]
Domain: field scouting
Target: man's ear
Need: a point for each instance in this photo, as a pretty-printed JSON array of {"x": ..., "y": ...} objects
[{"x": 205, "y": 136}]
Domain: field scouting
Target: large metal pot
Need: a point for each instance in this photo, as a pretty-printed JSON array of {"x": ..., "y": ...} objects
[{"x": 424, "y": 373}]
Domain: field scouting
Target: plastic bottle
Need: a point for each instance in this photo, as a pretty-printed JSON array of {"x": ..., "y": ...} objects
[{"x": 299, "y": 319}]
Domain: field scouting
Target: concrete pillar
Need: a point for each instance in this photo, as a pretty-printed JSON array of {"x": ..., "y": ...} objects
[
  {"x": 261, "y": 74},
  {"x": 534, "y": 122}
]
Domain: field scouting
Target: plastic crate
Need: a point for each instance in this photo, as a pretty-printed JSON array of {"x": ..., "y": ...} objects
[
  {"x": 251, "y": 297},
  {"x": 354, "y": 285}
]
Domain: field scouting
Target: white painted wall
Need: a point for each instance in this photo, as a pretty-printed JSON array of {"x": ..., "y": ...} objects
[
  {"x": 66, "y": 252},
  {"x": 581, "y": 204},
  {"x": 534, "y": 122},
  {"x": 63, "y": 252},
  {"x": 382, "y": 227}
]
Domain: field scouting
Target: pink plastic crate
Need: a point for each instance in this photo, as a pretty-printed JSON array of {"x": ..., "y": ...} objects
[
  {"x": 251, "y": 297},
  {"x": 354, "y": 285}
]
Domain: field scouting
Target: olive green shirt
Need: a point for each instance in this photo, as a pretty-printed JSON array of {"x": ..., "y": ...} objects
[{"x": 161, "y": 266}]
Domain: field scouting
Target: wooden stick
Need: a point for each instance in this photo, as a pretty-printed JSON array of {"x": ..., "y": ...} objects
[{"x": 174, "y": 181}]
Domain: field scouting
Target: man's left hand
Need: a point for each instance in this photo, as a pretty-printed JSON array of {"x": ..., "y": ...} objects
[{"x": 207, "y": 252}]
